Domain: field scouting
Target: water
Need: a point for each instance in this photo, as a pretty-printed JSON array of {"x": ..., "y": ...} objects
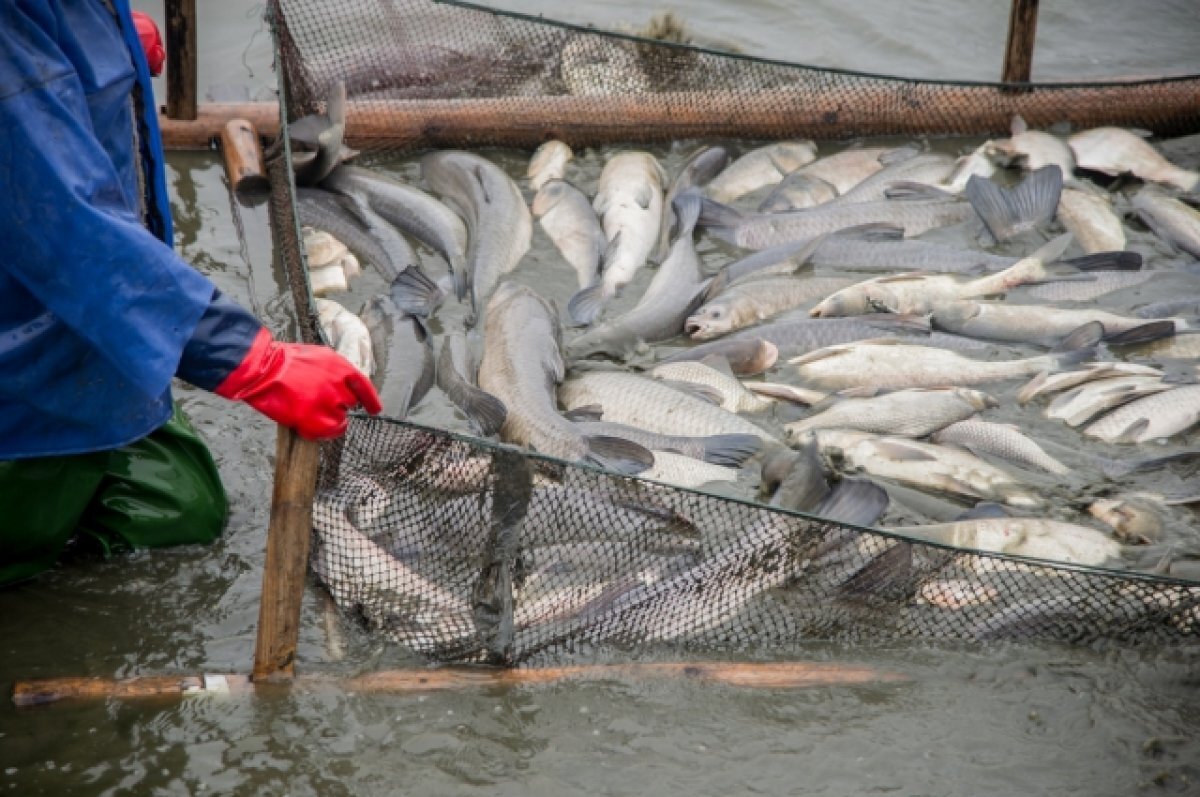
[{"x": 996, "y": 720}]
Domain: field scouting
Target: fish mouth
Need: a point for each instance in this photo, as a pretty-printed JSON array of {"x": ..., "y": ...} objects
[{"x": 693, "y": 327}]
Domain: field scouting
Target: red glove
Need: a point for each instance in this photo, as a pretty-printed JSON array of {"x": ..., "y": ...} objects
[
  {"x": 309, "y": 388},
  {"x": 151, "y": 41}
]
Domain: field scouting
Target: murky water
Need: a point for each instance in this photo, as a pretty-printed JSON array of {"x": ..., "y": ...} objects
[{"x": 996, "y": 720}]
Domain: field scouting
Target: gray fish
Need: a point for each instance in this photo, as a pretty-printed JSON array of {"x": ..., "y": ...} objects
[
  {"x": 760, "y": 167},
  {"x": 752, "y": 301},
  {"x": 998, "y": 440},
  {"x": 1154, "y": 417},
  {"x": 1175, "y": 222},
  {"x": 322, "y": 135},
  {"x": 567, "y": 217},
  {"x": 797, "y": 192},
  {"x": 1114, "y": 151},
  {"x": 696, "y": 171},
  {"x": 746, "y": 357},
  {"x": 521, "y": 365},
  {"x": 801, "y": 335},
  {"x": 1082, "y": 287},
  {"x": 1008, "y": 212},
  {"x": 673, "y": 293},
  {"x": 498, "y": 221},
  {"x": 847, "y": 254},
  {"x": 723, "y": 449},
  {"x": 1188, "y": 306},
  {"x": 1031, "y": 324},
  {"x": 404, "y": 368},
  {"x": 905, "y": 413},
  {"x": 407, "y": 208},
  {"x": 324, "y": 210},
  {"x": 456, "y": 378}
]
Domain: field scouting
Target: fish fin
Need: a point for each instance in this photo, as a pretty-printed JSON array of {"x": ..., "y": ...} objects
[
  {"x": 415, "y": 293},
  {"x": 718, "y": 362},
  {"x": 687, "y": 211},
  {"x": 1143, "y": 333},
  {"x": 952, "y": 484},
  {"x": 586, "y": 412},
  {"x": 702, "y": 392},
  {"x": 898, "y": 155},
  {"x": 905, "y": 190},
  {"x": 897, "y": 321},
  {"x": 477, "y": 172},
  {"x": 643, "y": 195},
  {"x": 730, "y": 449},
  {"x": 720, "y": 219},
  {"x": 1117, "y": 468},
  {"x": 585, "y": 306},
  {"x": 610, "y": 249},
  {"x": 857, "y": 502},
  {"x": 1053, "y": 249},
  {"x": 1018, "y": 126},
  {"x": 1080, "y": 345},
  {"x": 785, "y": 392},
  {"x": 985, "y": 510},
  {"x": 878, "y": 231},
  {"x": 1106, "y": 261},
  {"x": 887, "y": 576},
  {"x": 900, "y": 452},
  {"x": 1132, "y": 432},
  {"x": 485, "y": 410},
  {"x": 618, "y": 454},
  {"x": 1031, "y": 388},
  {"x": 1007, "y": 212}
]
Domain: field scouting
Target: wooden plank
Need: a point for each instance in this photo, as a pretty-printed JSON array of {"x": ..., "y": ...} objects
[
  {"x": 1018, "y": 51},
  {"x": 181, "y": 59},
  {"x": 745, "y": 675},
  {"x": 287, "y": 557},
  {"x": 242, "y": 151}
]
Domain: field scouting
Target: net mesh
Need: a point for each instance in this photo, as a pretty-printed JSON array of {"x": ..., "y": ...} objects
[{"x": 465, "y": 550}]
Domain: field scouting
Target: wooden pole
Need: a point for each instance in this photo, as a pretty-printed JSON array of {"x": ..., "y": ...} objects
[
  {"x": 284, "y": 571},
  {"x": 1018, "y": 52},
  {"x": 181, "y": 59},
  {"x": 749, "y": 675},
  {"x": 242, "y": 150}
]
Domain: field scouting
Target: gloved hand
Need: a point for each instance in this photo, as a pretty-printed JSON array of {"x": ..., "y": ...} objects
[{"x": 308, "y": 388}]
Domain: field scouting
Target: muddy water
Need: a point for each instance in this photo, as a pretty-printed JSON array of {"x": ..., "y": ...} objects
[{"x": 998, "y": 720}]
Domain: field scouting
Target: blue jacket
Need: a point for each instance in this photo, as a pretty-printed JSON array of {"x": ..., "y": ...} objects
[{"x": 97, "y": 312}]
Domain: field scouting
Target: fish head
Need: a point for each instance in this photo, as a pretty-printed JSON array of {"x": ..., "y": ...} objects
[
  {"x": 710, "y": 321},
  {"x": 854, "y": 300},
  {"x": 1132, "y": 521},
  {"x": 1005, "y": 152},
  {"x": 954, "y": 316},
  {"x": 791, "y": 155},
  {"x": 764, "y": 355},
  {"x": 976, "y": 398},
  {"x": 549, "y": 195}
]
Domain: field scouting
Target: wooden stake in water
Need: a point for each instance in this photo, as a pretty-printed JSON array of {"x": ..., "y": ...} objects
[{"x": 1018, "y": 52}]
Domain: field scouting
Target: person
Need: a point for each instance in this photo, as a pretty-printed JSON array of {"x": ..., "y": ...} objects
[{"x": 98, "y": 313}]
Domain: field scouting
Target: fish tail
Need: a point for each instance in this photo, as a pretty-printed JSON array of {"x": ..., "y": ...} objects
[
  {"x": 415, "y": 293},
  {"x": 618, "y": 454},
  {"x": 1009, "y": 211},
  {"x": 1106, "y": 261},
  {"x": 687, "y": 207},
  {"x": 856, "y": 502},
  {"x": 1078, "y": 346},
  {"x": 1143, "y": 333},
  {"x": 720, "y": 220},
  {"x": 730, "y": 449},
  {"x": 585, "y": 306}
]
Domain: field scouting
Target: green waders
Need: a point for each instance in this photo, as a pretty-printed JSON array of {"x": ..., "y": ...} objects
[{"x": 158, "y": 491}]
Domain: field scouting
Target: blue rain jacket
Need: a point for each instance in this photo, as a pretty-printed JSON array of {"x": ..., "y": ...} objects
[{"x": 97, "y": 312}]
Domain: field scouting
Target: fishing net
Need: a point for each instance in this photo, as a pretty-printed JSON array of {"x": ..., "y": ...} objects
[{"x": 463, "y": 549}]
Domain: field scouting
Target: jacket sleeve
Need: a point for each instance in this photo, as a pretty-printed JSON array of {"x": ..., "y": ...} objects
[{"x": 73, "y": 234}]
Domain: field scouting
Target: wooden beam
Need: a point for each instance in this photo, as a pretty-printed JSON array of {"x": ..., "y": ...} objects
[
  {"x": 242, "y": 150},
  {"x": 181, "y": 59},
  {"x": 1018, "y": 52}
]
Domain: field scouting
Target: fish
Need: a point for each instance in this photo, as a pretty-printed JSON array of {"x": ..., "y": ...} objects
[
  {"x": 336, "y": 215},
  {"x": 1079, "y": 405},
  {"x": 1031, "y": 149},
  {"x": 926, "y": 210},
  {"x": 746, "y": 357},
  {"x": 935, "y": 468},
  {"x": 1187, "y": 306},
  {"x": 674, "y": 292},
  {"x": 797, "y": 191},
  {"x": 730, "y": 450},
  {"x": 782, "y": 392},
  {"x": 1008, "y": 212},
  {"x": 1171, "y": 220},
  {"x": 967, "y": 166},
  {"x": 1180, "y": 347},
  {"x": 1114, "y": 151},
  {"x": 549, "y": 162},
  {"x": 824, "y": 179},
  {"x": 792, "y": 336},
  {"x": 456, "y": 378},
  {"x": 760, "y": 167},
  {"x": 629, "y": 200},
  {"x": 1000, "y": 440},
  {"x": 918, "y": 294},
  {"x": 1156, "y": 417},
  {"x": 498, "y": 221},
  {"x": 322, "y": 135},
  {"x": 893, "y": 253},
  {"x": 403, "y": 351},
  {"x": 1046, "y": 382},
  {"x": 696, "y": 171},
  {"x": 713, "y": 375},
  {"x": 330, "y": 263},
  {"x": 649, "y": 404},
  {"x": 889, "y": 363},
  {"x": 347, "y": 334},
  {"x": 903, "y": 165},
  {"x": 521, "y": 365},
  {"x": 568, "y": 219},
  {"x": 1083, "y": 287},
  {"x": 752, "y": 301},
  {"x": 1089, "y": 216},
  {"x": 1041, "y": 325},
  {"x": 407, "y": 208},
  {"x": 1134, "y": 521},
  {"x": 686, "y": 472},
  {"x": 1037, "y": 538},
  {"x": 904, "y": 413}
]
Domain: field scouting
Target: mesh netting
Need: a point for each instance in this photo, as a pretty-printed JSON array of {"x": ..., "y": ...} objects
[
  {"x": 462, "y": 549},
  {"x": 422, "y": 73}
]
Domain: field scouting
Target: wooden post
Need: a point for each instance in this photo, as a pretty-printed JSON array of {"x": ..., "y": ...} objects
[
  {"x": 181, "y": 59},
  {"x": 1022, "y": 30},
  {"x": 243, "y": 155},
  {"x": 287, "y": 557}
]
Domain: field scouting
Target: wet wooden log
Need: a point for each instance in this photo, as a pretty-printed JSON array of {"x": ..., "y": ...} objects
[
  {"x": 1018, "y": 51},
  {"x": 746, "y": 675},
  {"x": 181, "y": 59},
  {"x": 243, "y": 154},
  {"x": 869, "y": 108}
]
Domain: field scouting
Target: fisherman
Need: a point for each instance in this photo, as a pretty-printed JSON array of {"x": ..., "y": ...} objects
[{"x": 98, "y": 313}]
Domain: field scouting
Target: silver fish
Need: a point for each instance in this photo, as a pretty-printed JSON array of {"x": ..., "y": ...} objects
[
  {"x": 746, "y": 357},
  {"x": 1000, "y": 440},
  {"x": 549, "y": 162},
  {"x": 684, "y": 471},
  {"x": 1083, "y": 287},
  {"x": 721, "y": 449},
  {"x": 498, "y": 221},
  {"x": 567, "y": 217},
  {"x": 760, "y": 167},
  {"x": 403, "y": 351},
  {"x": 756, "y": 300},
  {"x": 903, "y": 413},
  {"x": 797, "y": 192},
  {"x": 899, "y": 166},
  {"x": 824, "y": 179},
  {"x": 1046, "y": 382},
  {"x": 1031, "y": 149},
  {"x": 847, "y": 254},
  {"x": 732, "y": 393},
  {"x": 800, "y": 335},
  {"x": 1134, "y": 521},
  {"x": 1114, "y": 151},
  {"x": 1151, "y": 418},
  {"x": 1089, "y": 216},
  {"x": 336, "y": 215},
  {"x": 1079, "y": 405},
  {"x": 1031, "y": 323},
  {"x": 1037, "y": 538},
  {"x": 1173, "y": 221},
  {"x": 696, "y": 171}
]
